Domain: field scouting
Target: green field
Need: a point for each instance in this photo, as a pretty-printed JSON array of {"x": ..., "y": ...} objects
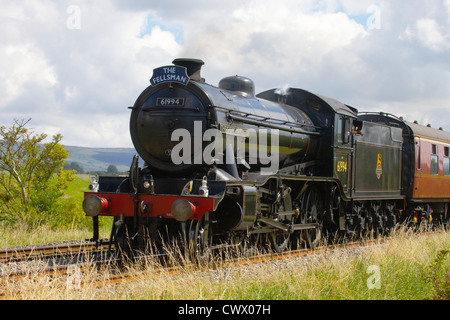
[{"x": 78, "y": 186}]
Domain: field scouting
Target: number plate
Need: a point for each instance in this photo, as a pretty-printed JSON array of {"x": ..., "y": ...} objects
[{"x": 170, "y": 102}]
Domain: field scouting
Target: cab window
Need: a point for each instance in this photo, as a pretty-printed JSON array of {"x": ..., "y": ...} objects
[{"x": 343, "y": 130}]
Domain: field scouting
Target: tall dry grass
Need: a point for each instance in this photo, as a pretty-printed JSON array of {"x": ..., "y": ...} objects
[
  {"x": 396, "y": 268},
  {"x": 20, "y": 235}
]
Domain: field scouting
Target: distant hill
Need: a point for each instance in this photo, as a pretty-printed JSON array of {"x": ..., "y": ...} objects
[{"x": 98, "y": 159}]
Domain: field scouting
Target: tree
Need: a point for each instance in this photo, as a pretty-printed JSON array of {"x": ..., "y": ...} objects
[
  {"x": 31, "y": 171},
  {"x": 74, "y": 166},
  {"x": 112, "y": 170}
]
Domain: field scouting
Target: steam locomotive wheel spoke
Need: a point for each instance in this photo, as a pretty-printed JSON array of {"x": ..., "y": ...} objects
[
  {"x": 199, "y": 240},
  {"x": 250, "y": 244},
  {"x": 279, "y": 241},
  {"x": 312, "y": 211},
  {"x": 123, "y": 235}
]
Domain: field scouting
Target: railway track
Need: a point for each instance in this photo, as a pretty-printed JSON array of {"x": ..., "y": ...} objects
[
  {"x": 50, "y": 250},
  {"x": 52, "y": 260},
  {"x": 72, "y": 274}
]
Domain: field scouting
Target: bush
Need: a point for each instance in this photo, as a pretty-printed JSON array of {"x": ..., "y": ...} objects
[
  {"x": 438, "y": 274},
  {"x": 32, "y": 177}
]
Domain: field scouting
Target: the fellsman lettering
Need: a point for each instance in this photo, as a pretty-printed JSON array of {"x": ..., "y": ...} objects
[
  {"x": 169, "y": 74},
  {"x": 168, "y": 78}
]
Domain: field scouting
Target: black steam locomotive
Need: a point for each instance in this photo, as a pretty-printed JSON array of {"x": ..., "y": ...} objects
[{"x": 284, "y": 167}]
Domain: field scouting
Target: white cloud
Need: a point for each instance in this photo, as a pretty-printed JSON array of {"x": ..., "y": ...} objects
[
  {"x": 162, "y": 40},
  {"x": 81, "y": 81},
  {"x": 22, "y": 65},
  {"x": 72, "y": 76},
  {"x": 271, "y": 41},
  {"x": 430, "y": 35},
  {"x": 447, "y": 4}
]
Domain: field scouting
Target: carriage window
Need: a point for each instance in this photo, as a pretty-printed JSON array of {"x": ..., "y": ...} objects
[
  {"x": 434, "y": 149},
  {"x": 434, "y": 164},
  {"x": 446, "y": 166},
  {"x": 418, "y": 157},
  {"x": 446, "y": 161}
]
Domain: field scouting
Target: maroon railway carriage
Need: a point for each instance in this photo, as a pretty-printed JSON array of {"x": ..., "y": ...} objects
[{"x": 425, "y": 167}]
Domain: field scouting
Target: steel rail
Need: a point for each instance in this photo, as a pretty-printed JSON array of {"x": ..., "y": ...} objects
[{"x": 50, "y": 250}]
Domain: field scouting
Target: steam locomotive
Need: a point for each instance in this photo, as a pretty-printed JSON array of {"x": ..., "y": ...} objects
[{"x": 223, "y": 166}]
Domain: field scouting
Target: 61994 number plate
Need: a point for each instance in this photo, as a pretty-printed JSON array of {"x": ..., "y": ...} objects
[{"x": 170, "y": 102}]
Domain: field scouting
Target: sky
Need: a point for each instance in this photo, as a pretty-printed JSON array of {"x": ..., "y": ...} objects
[{"x": 74, "y": 67}]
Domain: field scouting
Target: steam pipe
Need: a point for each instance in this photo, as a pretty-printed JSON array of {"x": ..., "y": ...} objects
[{"x": 231, "y": 162}]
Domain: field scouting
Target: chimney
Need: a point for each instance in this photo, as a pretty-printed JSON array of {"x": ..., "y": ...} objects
[{"x": 193, "y": 67}]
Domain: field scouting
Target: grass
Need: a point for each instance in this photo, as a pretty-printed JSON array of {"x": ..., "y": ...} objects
[
  {"x": 78, "y": 186},
  {"x": 409, "y": 266},
  {"x": 23, "y": 235}
]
